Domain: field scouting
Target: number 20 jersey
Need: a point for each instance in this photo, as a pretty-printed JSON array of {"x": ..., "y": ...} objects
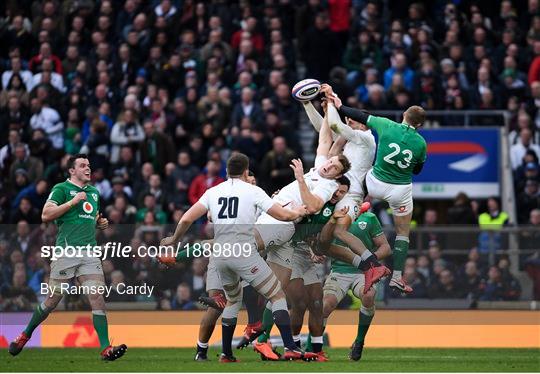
[{"x": 233, "y": 206}]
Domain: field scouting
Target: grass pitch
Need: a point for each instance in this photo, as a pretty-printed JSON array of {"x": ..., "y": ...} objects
[{"x": 181, "y": 360}]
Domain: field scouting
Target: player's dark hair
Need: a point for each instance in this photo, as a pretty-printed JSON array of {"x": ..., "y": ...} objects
[
  {"x": 237, "y": 164},
  {"x": 343, "y": 180},
  {"x": 251, "y": 174},
  {"x": 72, "y": 159},
  {"x": 345, "y": 162},
  {"x": 415, "y": 116}
]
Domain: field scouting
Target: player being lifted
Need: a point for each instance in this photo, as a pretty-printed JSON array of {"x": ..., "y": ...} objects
[
  {"x": 74, "y": 206},
  {"x": 233, "y": 205},
  {"x": 344, "y": 277},
  {"x": 356, "y": 142},
  {"x": 401, "y": 152}
]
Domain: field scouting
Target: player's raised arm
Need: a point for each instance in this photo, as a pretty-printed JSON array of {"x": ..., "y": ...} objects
[
  {"x": 313, "y": 114},
  {"x": 312, "y": 202},
  {"x": 325, "y": 138},
  {"x": 194, "y": 213}
]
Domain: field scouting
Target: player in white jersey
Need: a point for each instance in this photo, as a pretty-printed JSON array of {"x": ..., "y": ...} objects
[
  {"x": 232, "y": 206},
  {"x": 312, "y": 189},
  {"x": 356, "y": 142}
]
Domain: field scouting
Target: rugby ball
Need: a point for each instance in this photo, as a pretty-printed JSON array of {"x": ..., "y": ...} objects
[{"x": 306, "y": 89}]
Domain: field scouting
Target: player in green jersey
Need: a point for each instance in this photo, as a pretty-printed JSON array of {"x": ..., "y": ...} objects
[
  {"x": 74, "y": 206},
  {"x": 305, "y": 287},
  {"x": 401, "y": 152},
  {"x": 344, "y": 277}
]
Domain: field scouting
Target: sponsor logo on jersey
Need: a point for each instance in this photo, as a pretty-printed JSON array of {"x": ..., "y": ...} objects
[
  {"x": 87, "y": 207},
  {"x": 326, "y": 212},
  {"x": 362, "y": 225},
  {"x": 254, "y": 269},
  {"x": 72, "y": 193}
]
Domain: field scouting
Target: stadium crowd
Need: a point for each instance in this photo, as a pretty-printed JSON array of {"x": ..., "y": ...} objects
[{"x": 159, "y": 93}]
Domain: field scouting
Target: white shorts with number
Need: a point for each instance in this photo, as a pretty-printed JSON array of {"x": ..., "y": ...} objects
[
  {"x": 253, "y": 269},
  {"x": 339, "y": 284},
  {"x": 353, "y": 201},
  {"x": 398, "y": 196},
  {"x": 67, "y": 268},
  {"x": 303, "y": 267}
]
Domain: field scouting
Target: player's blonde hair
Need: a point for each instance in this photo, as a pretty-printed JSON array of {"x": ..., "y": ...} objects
[{"x": 415, "y": 116}]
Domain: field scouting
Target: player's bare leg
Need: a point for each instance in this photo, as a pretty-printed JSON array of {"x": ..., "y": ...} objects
[
  {"x": 297, "y": 295},
  {"x": 401, "y": 247},
  {"x": 206, "y": 328},
  {"x": 99, "y": 318},
  {"x": 41, "y": 313},
  {"x": 367, "y": 311}
]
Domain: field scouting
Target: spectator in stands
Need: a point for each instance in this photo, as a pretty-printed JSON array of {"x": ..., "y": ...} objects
[
  {"x": 203, "y": 181},
  {"x": 494, "y": 288},
  {"x": 25, "y": 212},
  {"x": 23, "y": 162},
  {"x": 412, "y": 276},
  {"x": 399, "y": 66},
  {"x": 182, "y": 299},
  {"x": 444, "y": 287},
  {"x": 275, "y": 171},
  {"x": 17, "y": 296},
  {"x": 150, "y": 205},
  {"x": 156, "y": 148},
  {"x": 49, "y": 120},
  {"x": 470, "y": 280},
  {"x": 518, "y": 150},
  {"x": 126, "y": 132},
  {"x": 528, "y": 200},
  {"x": 491, "y": 221}
]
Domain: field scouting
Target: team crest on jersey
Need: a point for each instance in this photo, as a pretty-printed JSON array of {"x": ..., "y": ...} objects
[
  {"x": 94, "y": 196},
  {"x": 362, "y": 225},
  {"x": 87, "y": 207},
  {"x": 327, "y": 212}
]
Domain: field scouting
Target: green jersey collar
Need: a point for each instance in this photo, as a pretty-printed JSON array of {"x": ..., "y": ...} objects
[{"x": 75, "y": 184}]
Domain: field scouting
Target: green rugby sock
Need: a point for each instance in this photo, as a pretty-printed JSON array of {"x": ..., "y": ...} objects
[
  {"x": 401, "y": 247},
  {"x": 267, "y": 323},
  {"x": 365, "y": 316},
  {"x": 40, "y": 314},
  {"x": 102, "y": 328}
]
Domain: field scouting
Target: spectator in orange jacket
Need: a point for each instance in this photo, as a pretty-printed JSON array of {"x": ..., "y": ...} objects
[{"x": 204, "y": 181}]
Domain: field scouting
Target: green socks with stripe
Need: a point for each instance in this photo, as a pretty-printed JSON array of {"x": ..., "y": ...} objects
[
  {"x": 399, "y": 254},
  {"x": 40, "y": 314},
  {"x": 102, "y": 328},
  {"x": 364, "y": 321}
]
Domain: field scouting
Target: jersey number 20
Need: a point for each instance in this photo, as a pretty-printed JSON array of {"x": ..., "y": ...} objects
[
  {"x": 229, "y": 207},
  {"x": 407, "y": 156}
]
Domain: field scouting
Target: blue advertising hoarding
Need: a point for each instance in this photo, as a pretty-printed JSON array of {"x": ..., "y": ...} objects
[{"x": 459, "y": 160}]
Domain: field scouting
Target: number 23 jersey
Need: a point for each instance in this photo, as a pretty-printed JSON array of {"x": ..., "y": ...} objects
[{"x": 400, "y": 148}]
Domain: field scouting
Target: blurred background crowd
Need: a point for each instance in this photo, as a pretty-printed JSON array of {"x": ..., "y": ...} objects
[{"x": 159, "y": 93}]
